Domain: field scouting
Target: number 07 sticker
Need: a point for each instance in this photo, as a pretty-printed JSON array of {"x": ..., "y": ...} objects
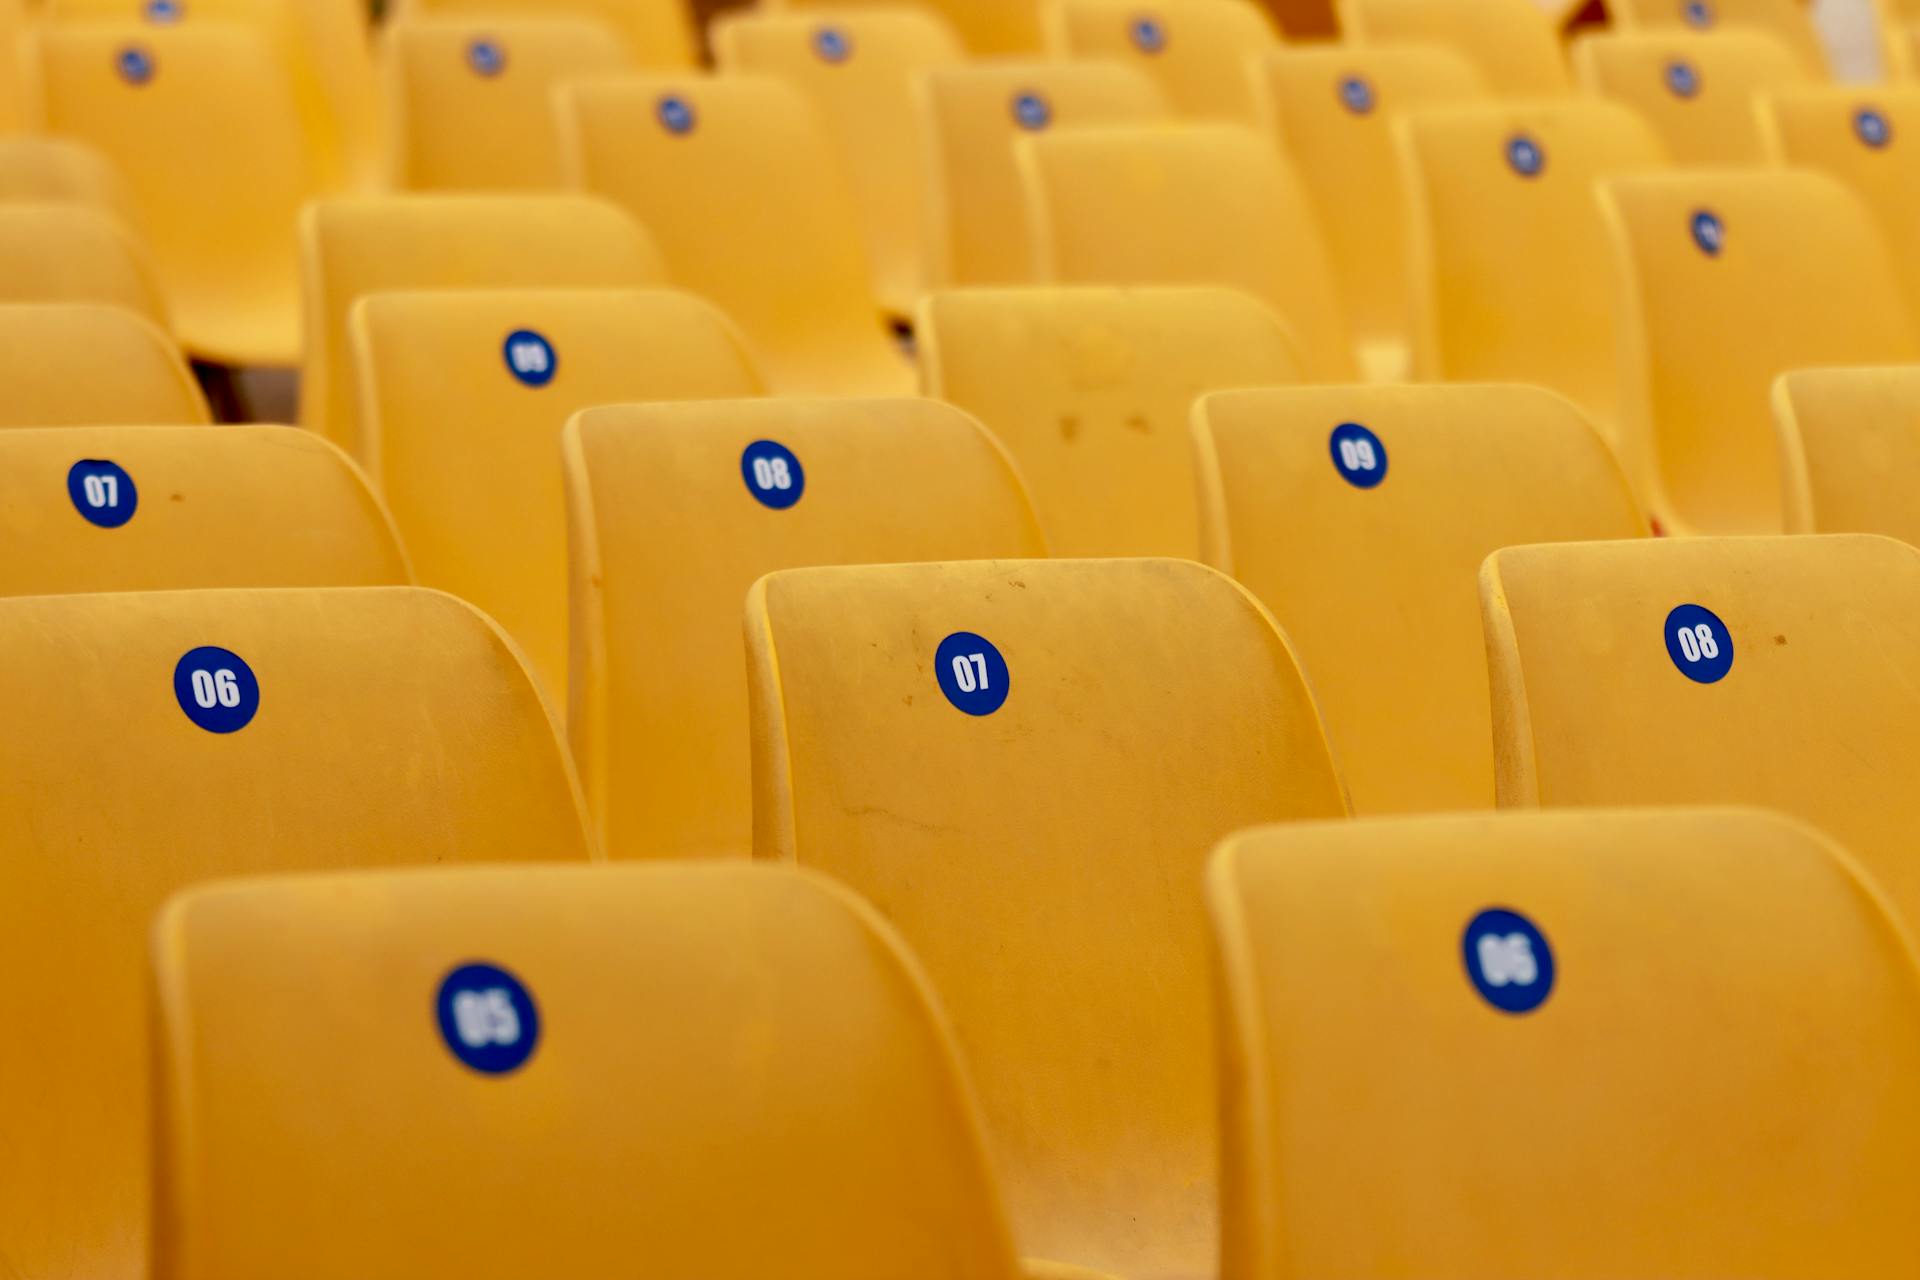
[{"x": 972, "y": 673}]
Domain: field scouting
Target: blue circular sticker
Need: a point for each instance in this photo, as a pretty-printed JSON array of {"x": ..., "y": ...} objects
[
  {"x": 972, "y": 673},
  {"x": 676, "y": 114},
  {"x": 1031, "y": 111},
  {"x": 134, "y": 64},
  {"x": 1708, "y": 232},
  {"x": 1872, "y": 128},
  {"x": 1358, "y": 455},
  {"x": 1509, "y": 960},
  {"x": 1682, "y": 79},
  {"x": 486, "y": 57},
  {"x": 832, "y": 44},
  {"x": 102, "y": 491},
  {"x": 216, "y": 688},
  {"x": 530, "y": 357},
  {"x": 1526, "y": 156},
  {"x": 1699, "y": 644},
  {"x": 1356, "y": 94},
  {"x": 488, "y": 1018},
  {"x": 773, "y": 474},
  {"x": 1697, "y": 13},
  {"x": 165, "y": 10},
  {"x": 1147, "y": 34}
]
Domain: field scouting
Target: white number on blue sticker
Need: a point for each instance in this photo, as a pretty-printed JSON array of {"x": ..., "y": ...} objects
[
  {"x": 1699, "y": 644},
  {"x": 217, "y": 689},
  {"x": 530, "y": 357},
  {"x": 1148, "y": 33},
  {"x": 135, "y": 65},
  {"x": 1508, "y": 959},
  {"x": 487, "y": 1018},
  {"x": 1031, "y": 111},
  {"x": 1526, "y": 156},
  {"x": 1872, "y": 128},
  {"x": 676, "y": 114},
  {"x": 832, "y": 44},
  {"x": 1356, "y": 94},
  {"x": 1709, "y": 233},
  {"x": 1682, "y": 79},
  {"x": 971, "y": 673},
  {"x": 1358, "y": 455},
  {"x": 102, "y": 492},
  {"x": 773, "y": 474},
  {"x": 163, "y": 11},
  {"x": 1697, "y": 13},
  {"x": 486, "y": 57}
]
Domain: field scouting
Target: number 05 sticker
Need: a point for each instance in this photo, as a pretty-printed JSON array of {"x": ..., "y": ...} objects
[{"x": 972, "y": 673}]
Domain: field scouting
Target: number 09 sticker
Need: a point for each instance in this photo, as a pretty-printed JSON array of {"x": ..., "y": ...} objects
[{"x": 972, "y": 673}]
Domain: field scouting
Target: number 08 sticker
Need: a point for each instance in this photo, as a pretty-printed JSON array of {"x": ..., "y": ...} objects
[
  {"x": 217, "y": 689},
  {"x": 972, "y": 673},
  {"x": 1699, "y": 644}
]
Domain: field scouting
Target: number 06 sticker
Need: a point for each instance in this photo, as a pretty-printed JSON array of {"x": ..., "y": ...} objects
[
  {"x": 972, "y": 673},
  {"x": 217, "y": 689}
]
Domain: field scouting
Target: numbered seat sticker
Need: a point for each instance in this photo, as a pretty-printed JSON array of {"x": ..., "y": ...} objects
[
  {"x": 530, "y": 358},
  {"x": 1699, "y": 644},
  {"x": 676, "y": 115},
  {"x": 1032, "y": 112},
  {"x": 1149, "y": 35},
  {"x": 217, "y": 689},
  {"x": 1356, "y": 95},
  {"x": 1872, "y": 128},
  {"x": 135, "y": 65},
  {"x": 972, "y": 673},
  {"x": 1709, "y": 233},
  {"x": 773, "y": 474},
  {"x": 832, "y": 44},
  {"x": 1682, "y": 80},
  {"x": 1526, "y": 156},
  {"x": 488, "y": 1018},
  {"x": 163, "y": 11},
  {"x": 1508, "y": 960},
  {"x": 1697, "y": 13},
  {"x": 102, "y": 492},
  {"x": 1358, "y": 455},
  {"x": 487, "y": 58}
]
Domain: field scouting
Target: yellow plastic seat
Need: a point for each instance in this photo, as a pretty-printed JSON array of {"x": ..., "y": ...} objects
[
  {"x": 858, "y": 69},
  {"x": 1866, "y": 139},
  {"x": 723, "y": 1072},
  {"x": 86, "y": 365},
  {"x": 1793, "y": 690},
  {"x": 200, "y": 120},
  {"x": 463, "y": 395},
  {"x": 1196, "y": 50},
  {"x": 1511, "y": 273},
  {"x": 183, "y": 735},
  {"x": 1331, "y": 110},
  {"x": 738, "y": 183},
  {"x": 74, "y": 253},
  {"x": 1850, "y": 447},
  {"x": 1603, "y": 1044},
  {"x": 1697, "y": 91},
  {"x": 1194, "y": 205},
  {"x": 472, "y": 98},
  {"x": 1023, "y": 764},
  {"x": 1091, "y": 391},
  {"x": 1360, "y": 516},
  {"x": 1788, "y": 22},
  {"x": 1722, "y": 296},
  {"x": 658, "y": 33},
  {"x": 351, "y": 248},
  {"x": 740, "y": 488},
  {"x": 990, "y": 27},
  {"x": 37, "y": 170},
  {"x": 14, "y": 108},
  {"x": 161, "y": 508},
  {"x": 1511, "y": 43},
  {"x": 979, "y": 233},
  {"x": 322, "y": 47}
]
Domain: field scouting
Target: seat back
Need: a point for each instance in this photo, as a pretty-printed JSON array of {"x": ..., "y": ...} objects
[
  {"x": 201, "y": 121},
  {"x": 472, "y": 97},
  {"x": 1360, "y": 516},
  {"x": 1697, "y": 91},
  {"x": 990, "y": 27},
  {"x": 858, "y": 68},
  {"x": 695, "y": 160},
  {"x": 1850, "y": 448},
  {"x": 464, "y": 396},
  {"x": 1196, "y": 53},
  {"x": 1714, "y": 671},
  {"x": 1721, "y": 297},
  {"x": 674, "y": 510},
  {"x": 1732, "y": 1124},
  {"x": 658, "y": 33},
  {"x": 161, "y": 508},
  {"x": 183, "y": 735},
  {"x": 977, "y": 209},
  {"x": 82, "y": 364},
  {"x": 1022, "y": 764},
  {"x": 1331, "y": 111},
  {"x": 351, "y": 248},
  {"x": 1783, "y": 21},
  {"x": 74, "y": 253},
  {"x": 39, "y": 170},
  {"x": 1510, "y": 42},
  {"x": 1511, "y": 268},
  {"x": 719, "y": 1072},
  {"x": 1201, "y": 204},
  {"x": 1091, "y": 391}
]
